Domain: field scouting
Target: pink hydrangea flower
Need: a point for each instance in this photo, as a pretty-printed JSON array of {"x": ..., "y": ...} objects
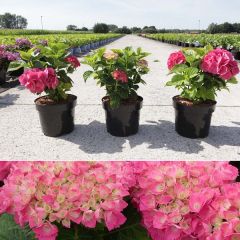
[
  {"x": 120, "y": 75},
  {"x": 46, "y": 231},
  {"x": 4, "y": 169},
  {"x": 73, "y": 61},
  {"x": 175, "y": 59},
  {"x": 52, "y": 80},
  {"x": 37, "y": 80},
  {"x": 34, "y": 80},
  {"x": 220, "y": 62}
]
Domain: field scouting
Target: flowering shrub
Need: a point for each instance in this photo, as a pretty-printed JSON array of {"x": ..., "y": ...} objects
[
  {"x": 177, "y": 200},
  {"x": 199, "y": 73},
  {"x": 46, "y": 70},
  {"x": 182, "y": 200},
  {"x": 119, "y": 71}
]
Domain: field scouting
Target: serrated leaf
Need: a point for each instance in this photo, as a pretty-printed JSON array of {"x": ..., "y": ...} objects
[{"x": 9, "y": 230}]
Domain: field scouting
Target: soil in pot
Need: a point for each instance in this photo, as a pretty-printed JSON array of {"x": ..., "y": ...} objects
[
  {"x": 57, "y": 118},
  {"x": 123, "y": 121},
  {"x": 193, "y": 120}
]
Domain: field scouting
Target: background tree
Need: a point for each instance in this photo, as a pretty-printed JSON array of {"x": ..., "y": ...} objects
[
  {"x": 12, "y": 21},
  {"x": 83, "y": 29},
  {"x": 151, "y": 29},
  {"x": 71, "y": 27},
  {"x": 100, "y": 28},
  {"x": 123, "y": 30},
  {"x": 224, "y": 28},
  {"x": 21, "y": 22},
  {"x": 136, "y": 30},
  {"x": 112, "y": 27}
]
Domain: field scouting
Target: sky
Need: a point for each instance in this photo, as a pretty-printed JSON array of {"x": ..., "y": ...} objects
[{"x": 183, "y": 14}]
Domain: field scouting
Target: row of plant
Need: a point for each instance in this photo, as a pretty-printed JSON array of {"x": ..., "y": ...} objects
[
  {"x": 119, "y": 200},
  {"x": 72, "y": 40},
  {"x": 229, "y": 42},
  {"x": 24, "y": 32},
  {"x": 198, "y": 73}
]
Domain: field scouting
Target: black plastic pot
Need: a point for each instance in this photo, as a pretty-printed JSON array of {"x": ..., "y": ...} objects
[
  {"x": 124, "y": 120},
  {"x": 193, "y": 121},
  {"x": 236, "y": 54},
  {"x": 17, "y": 73},
  {"x": 3, "y": 75},
  {"x": 57, "y": 119}
]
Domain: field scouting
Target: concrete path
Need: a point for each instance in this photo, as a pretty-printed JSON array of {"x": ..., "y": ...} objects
[{"x": 21, "y": 137}]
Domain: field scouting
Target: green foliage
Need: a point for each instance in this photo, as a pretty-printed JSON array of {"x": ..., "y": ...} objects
[
  {"x": 126, "y": 60},
  {"x": 9, "y": 230},
  {"x": 193, "y": 83}
]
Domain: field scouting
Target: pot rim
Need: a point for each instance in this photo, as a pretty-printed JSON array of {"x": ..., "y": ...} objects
[
  {"x": 213, "y": 104},
  {"x": 140, "y": 98},
  {"x": 55, "y": 104}
]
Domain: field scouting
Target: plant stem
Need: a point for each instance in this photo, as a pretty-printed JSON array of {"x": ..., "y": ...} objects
[{"x": 76, "y": 232}]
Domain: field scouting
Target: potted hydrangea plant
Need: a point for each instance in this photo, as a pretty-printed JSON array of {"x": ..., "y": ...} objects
[
  {"x": 46, "y": 70},
  {"x": 120, "y": 72},
  {"x": 199, "y": 74},
  {"x": 6, "y": 56}
]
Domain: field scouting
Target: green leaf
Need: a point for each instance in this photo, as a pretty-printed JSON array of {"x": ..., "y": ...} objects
[
  {"x": 233, "y": 80},
  {"x": 87, "y": 75},
  {"x": 15, "y": 65},
  {"x": 9, "y": 230},
  {"x": 191, "y": 72},
  {"x": 26, "y": 55}
]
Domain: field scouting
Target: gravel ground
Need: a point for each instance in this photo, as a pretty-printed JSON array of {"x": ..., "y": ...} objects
[{"x": 21, "y": 137}]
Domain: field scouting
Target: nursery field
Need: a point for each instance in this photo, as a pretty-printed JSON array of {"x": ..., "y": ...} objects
[
  {"x": 71, "y": 38},
  {"x": 21, "y": 136}
]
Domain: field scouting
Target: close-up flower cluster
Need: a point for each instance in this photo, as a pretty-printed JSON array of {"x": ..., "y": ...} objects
[
  {"x": 186, "y": 200},
  {"x": 176, "y": 201},
  {"x": 42, "y": 193}
]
